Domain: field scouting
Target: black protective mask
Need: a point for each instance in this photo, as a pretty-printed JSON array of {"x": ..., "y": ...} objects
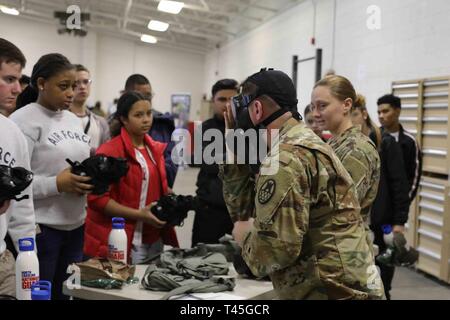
[
  {"x": 241, "y": 114},
  {"x": 240, "y": 109},
  {"x": 13, "y": 181},
  {"x": 103, "y": 170},
  {"x": 244, "y": 121},
  {"x": 174, "y": 208}
]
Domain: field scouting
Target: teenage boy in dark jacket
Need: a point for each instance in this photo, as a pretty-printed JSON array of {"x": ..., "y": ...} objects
[
  {"x": 389, "y": 109},
  {"x": 401, "y": 170},
  {"x": 212, "y": 220},
  {"x": 391, "y": 205}
]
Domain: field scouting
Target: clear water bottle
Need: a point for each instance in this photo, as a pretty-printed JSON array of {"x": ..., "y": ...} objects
[
  {"x": 118, "y": 241},
  {"x": 27, "y": 269},
  {"x": 41, "y": 290}
]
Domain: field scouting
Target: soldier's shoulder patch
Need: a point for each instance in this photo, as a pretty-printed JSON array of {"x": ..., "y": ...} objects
[{"x": 267, "y": 191}]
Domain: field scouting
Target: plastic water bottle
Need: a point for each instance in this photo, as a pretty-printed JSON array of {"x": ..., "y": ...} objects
[
  {"x": 118, "y": 241},
  {"x": 388, "y": 256},
  {"x": 388, "y": 235},
  {"x": 41, "y": 290},
  {"x": 27, "y": 269}
]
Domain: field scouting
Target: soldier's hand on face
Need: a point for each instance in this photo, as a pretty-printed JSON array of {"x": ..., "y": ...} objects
[
  {"x": 4, "y": 206},
  {"x": 241, "y": 228},
  {"x": 228, "y": 116},
  {"x": 398, "y": 229},
  {"x": 151, "y": 219}
]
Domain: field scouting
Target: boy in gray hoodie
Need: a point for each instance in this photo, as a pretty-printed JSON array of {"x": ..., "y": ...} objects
[{"x": 17, "y": 218}]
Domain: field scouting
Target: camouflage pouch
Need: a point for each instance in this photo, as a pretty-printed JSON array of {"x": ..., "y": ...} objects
[{"x": 105, "y": 273}]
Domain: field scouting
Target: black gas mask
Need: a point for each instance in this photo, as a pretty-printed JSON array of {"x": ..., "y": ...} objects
[
  {"x": 13, "y": 181},
  {"x": 273, "y": 84},
  {"x": 240, "y": 107},
  {"x": 103, "y": 170},
  {"x": 174, "y": 208},
  {"x": 241, "y": 114},
  {"x": 267, "y": 82}
]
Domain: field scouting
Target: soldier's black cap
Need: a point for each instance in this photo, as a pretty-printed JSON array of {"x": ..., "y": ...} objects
[{"x": 277, "y": 85}]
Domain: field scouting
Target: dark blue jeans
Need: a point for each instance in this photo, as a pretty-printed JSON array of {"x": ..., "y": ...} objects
[{"x": 56, "y": 251}]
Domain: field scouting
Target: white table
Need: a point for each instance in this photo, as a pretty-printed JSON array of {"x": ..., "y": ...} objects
[{"x": 244, "y": 289}]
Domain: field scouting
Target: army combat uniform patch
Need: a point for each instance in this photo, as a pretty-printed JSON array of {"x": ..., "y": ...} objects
[{"x": 267, "y": 191}]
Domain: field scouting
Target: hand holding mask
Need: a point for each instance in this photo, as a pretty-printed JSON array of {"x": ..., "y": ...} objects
[
  {"x": 103, "y": 170},
  {"x": 13, "y": 181}
]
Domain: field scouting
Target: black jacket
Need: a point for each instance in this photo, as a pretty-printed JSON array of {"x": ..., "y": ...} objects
[
  {"x": 412, "y": 157},
  {"x": 209, "y": 185},
  {"x": 162, "y": 128},
  {"x": 391, "y": 206}
]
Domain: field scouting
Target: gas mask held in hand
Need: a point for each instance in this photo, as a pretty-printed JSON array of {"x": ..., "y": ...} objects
[
  {"x": 103, "y": 170},
  {"x": 13, "y": 181},
  {"x": 398, "y": 253},
  {"x": 174, "y": 209}
]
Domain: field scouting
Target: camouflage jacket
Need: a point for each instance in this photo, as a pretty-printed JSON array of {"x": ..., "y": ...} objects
[
  {"x": 360, "y": 157},
  {"x": 308, "y": 234}
]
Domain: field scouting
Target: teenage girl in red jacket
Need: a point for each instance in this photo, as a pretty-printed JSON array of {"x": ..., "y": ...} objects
[{"x": 133, "y": 196}]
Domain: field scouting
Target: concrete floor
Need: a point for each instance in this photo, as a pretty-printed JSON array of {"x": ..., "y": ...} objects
[
  {"x": 407, "y": 285},
  {"x": 413, "y": 285}
]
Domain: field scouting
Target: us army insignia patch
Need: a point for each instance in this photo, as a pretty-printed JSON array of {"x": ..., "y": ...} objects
[{"x": 267, "y": 191}]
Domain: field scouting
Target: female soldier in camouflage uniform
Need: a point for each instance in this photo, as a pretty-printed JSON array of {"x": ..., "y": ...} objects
[{"x": 332, "y": 102}]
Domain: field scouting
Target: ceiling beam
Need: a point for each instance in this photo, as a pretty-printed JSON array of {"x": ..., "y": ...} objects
[
  {"x": 165, "y": 42},
  {"x": 124, "y": 33},
  {"x": 240, "y": 3},
  {"x": 181, "y": 25},
  {"x": 218, "y": 13},
  {"x": 126, "y": 14},
  {"x": 216, "y": 38},
  {"x": 167, "y": 16},
  {"x": 198, "y": 37},
  {"x": 203, "y": 23},
  {"x": 205, "y": 5}
]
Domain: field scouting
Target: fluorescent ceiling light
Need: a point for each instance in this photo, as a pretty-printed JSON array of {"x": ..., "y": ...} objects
[
  {"x": 173, "y": 7},
  {"x": 158, "y": 26},
  {"x": 149, "y": 39},
  {"x": 10, "y": 11}
]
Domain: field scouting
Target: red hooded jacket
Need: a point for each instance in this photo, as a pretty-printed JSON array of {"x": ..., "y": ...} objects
[{"x": 126, "y": 192}]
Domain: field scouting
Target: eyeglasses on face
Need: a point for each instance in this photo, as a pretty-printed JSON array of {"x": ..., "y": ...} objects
[{"x": 85, "y": 82}]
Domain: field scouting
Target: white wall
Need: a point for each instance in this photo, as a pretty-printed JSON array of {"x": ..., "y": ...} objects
[
  {"x": 111, "y": 60},
  {"x": 169, "y": 71},
  {"x": 413, "y": 42}
]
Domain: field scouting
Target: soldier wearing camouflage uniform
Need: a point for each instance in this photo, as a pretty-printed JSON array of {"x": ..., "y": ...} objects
[
  {"x": 333, "y": 99},
  {"x": 308, "y": 234},
  {"x": 360, "y": 157}
]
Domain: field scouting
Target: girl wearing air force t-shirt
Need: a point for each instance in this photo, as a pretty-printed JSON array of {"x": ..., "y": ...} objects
[{"x": 54, "y": 135}]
